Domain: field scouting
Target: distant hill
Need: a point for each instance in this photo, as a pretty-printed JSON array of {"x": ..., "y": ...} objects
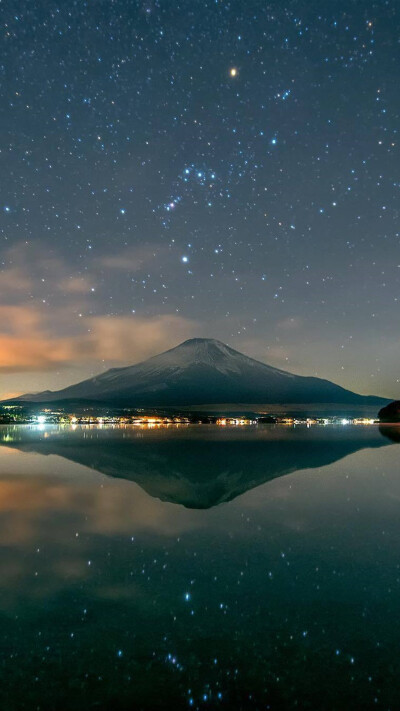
[
  {"x": 390, "y": 413},
  {"x": 197, "y": 372}
]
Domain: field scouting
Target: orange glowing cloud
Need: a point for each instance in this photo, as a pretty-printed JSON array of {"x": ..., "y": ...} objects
[
  {"x": 132, "y": 338},
  {"x": 13, "y": 281},
  {"x": 28, "y": 342},
  {"x": 48, "y": 324}
]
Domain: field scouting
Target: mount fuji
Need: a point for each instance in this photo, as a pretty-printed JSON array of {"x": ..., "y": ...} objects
[{"x": 201, "y": 371}]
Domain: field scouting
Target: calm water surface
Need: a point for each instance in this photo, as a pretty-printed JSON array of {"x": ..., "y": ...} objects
[{"x": 200, "y": 567}]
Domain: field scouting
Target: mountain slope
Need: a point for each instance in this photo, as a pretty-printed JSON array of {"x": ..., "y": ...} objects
[{"x": 201, "y": 371}]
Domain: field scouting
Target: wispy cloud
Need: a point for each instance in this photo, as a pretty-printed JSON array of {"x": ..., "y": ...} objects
[
  {"x": 132, "y": 338},
  {"x": 76, "y": 284},
  {"x": 133, "y": 258},
  {"x": 27, "y": 342},
  {"x": 13, "y": 280},
  {"x": 54, "y": 325}
]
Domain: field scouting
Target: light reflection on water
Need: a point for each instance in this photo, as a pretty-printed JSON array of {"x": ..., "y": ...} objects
[{"x": 199, "y": 568}]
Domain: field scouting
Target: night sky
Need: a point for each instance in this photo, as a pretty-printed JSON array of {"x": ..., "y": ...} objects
[{"x": 199, "y": 168}]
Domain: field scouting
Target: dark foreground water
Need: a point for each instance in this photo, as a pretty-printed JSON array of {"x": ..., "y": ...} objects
[{"x": 202, "y": 568}]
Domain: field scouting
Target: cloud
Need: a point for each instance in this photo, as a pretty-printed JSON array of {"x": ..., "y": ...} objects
[
  {"x": 50, "y": 324},
  {"x": 290, "y": 324},
  {"x": 17, "y": 319},
  {"x": 28, "y": 341},
  {"x": 127, "y": 339},
  {"x": 14, "y": 280},
  {"x": 28, "y": 267},
  {"x": 133, "y": 259},
  {"x": 25, "y": 344},
  {"x": 76, "y": 285}
]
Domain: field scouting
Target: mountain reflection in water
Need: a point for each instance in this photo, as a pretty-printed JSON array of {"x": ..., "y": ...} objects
[
  {"x": 286, "y": 597},
  {"x": 392, "y": 432},
  {"x": 197, "y": 467}
]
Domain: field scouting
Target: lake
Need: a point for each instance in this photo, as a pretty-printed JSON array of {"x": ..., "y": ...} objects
[{"x": 199, "y": 567}]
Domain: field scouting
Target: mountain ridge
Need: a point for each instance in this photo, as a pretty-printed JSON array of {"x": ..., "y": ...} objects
[{"x": 200, "y": 371}]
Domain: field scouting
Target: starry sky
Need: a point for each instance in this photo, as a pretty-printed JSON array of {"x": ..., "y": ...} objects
[{"x": 211, "y": 168}]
